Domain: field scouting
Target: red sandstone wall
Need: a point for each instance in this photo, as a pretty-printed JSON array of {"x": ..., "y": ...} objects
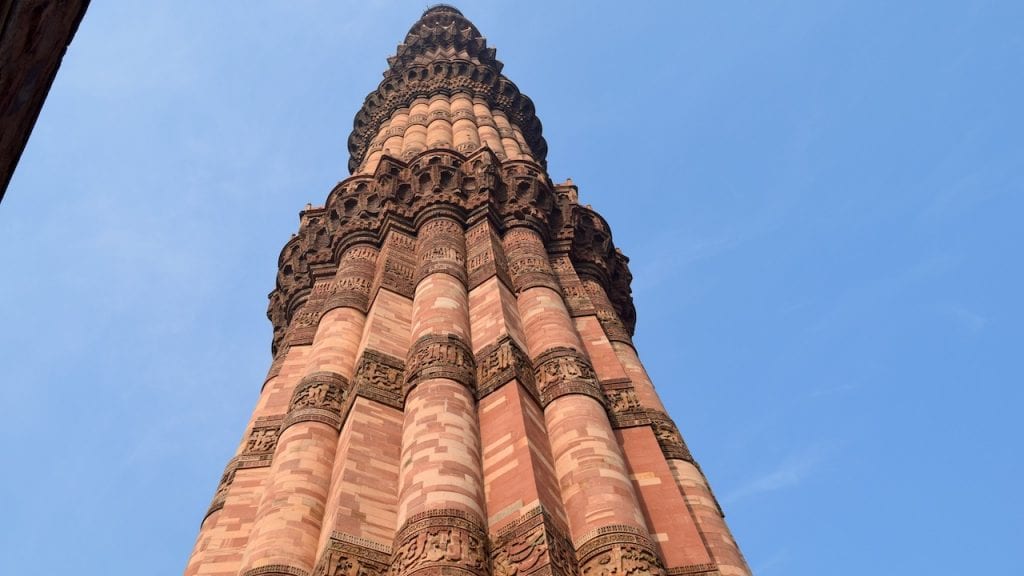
[
  {"x": 455, "y": 389},
  {"x": 464, "y": 401}
]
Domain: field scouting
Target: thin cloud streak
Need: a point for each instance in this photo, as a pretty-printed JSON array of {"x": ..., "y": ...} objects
[
  {"x": 970, "y": 321},
  {"x": 788, "y": 474}
]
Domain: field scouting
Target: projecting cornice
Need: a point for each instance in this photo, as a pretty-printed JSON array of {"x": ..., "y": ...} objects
[{"x": 364, "y": 208}]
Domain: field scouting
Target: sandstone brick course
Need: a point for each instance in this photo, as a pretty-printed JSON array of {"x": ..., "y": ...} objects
[
  {"x": 287, "y": 524},
  {"x": 364, "y": 490},
  {"x": 721, "y": 545},
  {"x": 668, "y": 518},
  {"x": 388, "y": 325}
]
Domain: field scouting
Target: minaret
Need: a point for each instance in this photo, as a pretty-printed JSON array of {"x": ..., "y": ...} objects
[{"x": 454, "y": 388}]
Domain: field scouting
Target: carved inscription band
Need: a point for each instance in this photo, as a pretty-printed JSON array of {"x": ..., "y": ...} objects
[
  {"x": 619, "y": 550},
  {"x": 303, "y": 325},
  {"x": 440, "y": 542},
  {"x": 605, "y": 311},
  {"x": 561, "y": 371},
  {"x": 399, "y": 264},
  {"x": 441, "y": 248},
  {"x": 348, "y": 555},
  {"x": 694, "y": 570},
  {"x": 220, "y": 496},
  {"x": 499, "y": 364},
  {"x": 626, "y": 411},
  {"x": 669, "y": 438},
  {"x": 275, "y": 366},
  {"x": 258, "y": 453},
  {"x": 352, "y": 286},
  {"x": 260, "y": 445},
  {"x": 528, "y": 260},
  {"x": 319, "y": 397},
  {"x": 486, "y": 256},
  {"x": 275, "y": 570},
  {"x": 533, "y": 546},
  {"x": 439, "y": 356},
  {"x": 379, "y": 377}
]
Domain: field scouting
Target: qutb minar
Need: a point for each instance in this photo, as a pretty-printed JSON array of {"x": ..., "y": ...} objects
[{"x": 454, "y": 389}]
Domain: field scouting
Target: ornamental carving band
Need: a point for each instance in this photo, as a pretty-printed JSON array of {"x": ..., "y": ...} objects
[
  {"x": 528, "y": 260},
  {"x": 706, "y": 569},
  {"x": 486, "y": 256},
  {"x": 379, "y": 377},
  {"x": 275, "y": 366},
  {"x": 303, "y": 326},
  {"x": 533, "y": 546},
  {"x": 354, "y": 281},
  {"x": 276, "y": 570},
  {"x": 619, "y": 550},
  {"x": 260, "y": 445},
  {"x": 561, "y": 371},
  {"x": 445, "y": 541},
  {"x": 439, "y": 356},
  {"x": 610, "y": 322},
  {"x": 623, "y": 400},
  {"x": 221, "y": 495},
  {"x": 348, "y": 555},
  {"x": 369, "y": 206},
  {"x": 441, "y": 248},
  {"x": 502, "y": 362},
  {"x": 669, "y": 438},
  {"x": 319, "y": 397}
]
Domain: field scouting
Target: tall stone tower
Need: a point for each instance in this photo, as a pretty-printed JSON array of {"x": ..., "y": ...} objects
[{"x": 454, "y": 388}]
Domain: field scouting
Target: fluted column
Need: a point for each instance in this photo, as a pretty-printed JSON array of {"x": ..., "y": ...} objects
[
  {"x": 525, "y": 516},
  {"x": 439, "y": 122},
  {"x": 359, "y": 518},
  {"x": 681, "y": 544},
  {"x": 488, "y": 129},
  {"x": 604, "y": 514},
  {"x": 288, "y": 523},
  {"x": 465, "y": 135},
  {"x": 376, "y": 149},
  {"x": 221, "y": 542},
  {"x": 440, "y": 503},
  {"x": 395, "y": 134},
  {"x": 638, "y": 443},
  {"x": 508, "y": 139},
  {"x": 415, "y": 138}
]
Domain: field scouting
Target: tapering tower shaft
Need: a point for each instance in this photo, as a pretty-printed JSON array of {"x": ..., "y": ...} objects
[{"x": 455, "y": 389}]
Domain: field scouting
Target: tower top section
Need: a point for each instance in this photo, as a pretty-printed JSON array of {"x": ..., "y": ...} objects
[{"x": 442, "y": 55}]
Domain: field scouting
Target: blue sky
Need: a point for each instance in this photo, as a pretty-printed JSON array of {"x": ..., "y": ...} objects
[{"x": 821, "y": 200}]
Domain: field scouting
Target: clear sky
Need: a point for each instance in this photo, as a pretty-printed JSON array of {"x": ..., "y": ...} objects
[{"x": 822, "y": 201}]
